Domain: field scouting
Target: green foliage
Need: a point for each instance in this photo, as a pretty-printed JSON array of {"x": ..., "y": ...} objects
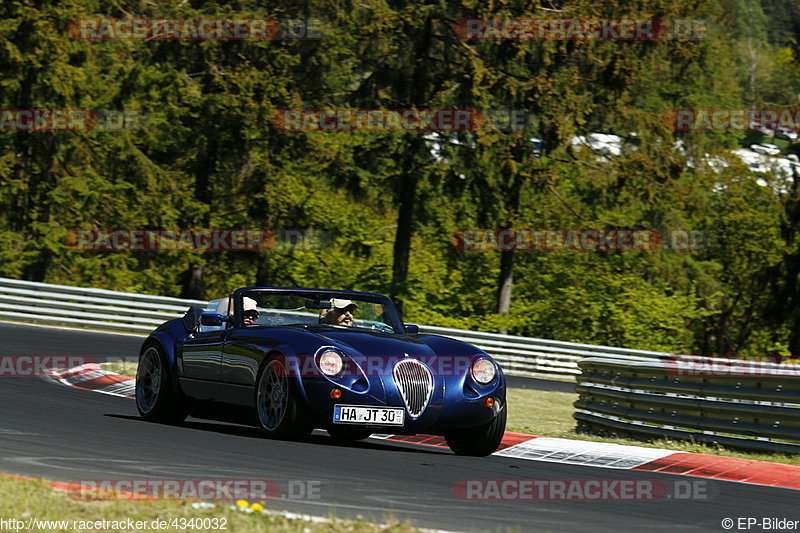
[{"x": 206, "y": 155}]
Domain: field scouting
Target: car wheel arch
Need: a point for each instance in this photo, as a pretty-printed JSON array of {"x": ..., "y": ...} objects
[
  {"x": 166, "y": 404},
  {"x": 168, "y": 349},
  {"x": 296, "y": 421},
  {"x": 293, "y": 375}
]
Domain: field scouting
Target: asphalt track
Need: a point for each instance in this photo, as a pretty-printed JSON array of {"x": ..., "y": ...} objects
[{"x": 65, "y": 434}]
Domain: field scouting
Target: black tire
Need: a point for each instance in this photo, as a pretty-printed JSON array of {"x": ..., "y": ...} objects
[
  {"x": 481, "y": 440},
  {"x": 281, "y": 412},
  {"x": 156, "y": 398},
  {"x": 348, "y": 434}
]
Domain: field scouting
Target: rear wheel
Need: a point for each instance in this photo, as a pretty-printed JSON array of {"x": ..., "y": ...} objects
[
  {"x": 481, "y": 440},
  {"x": 348, "y": 434},
  {"x": 156, "y": 398},
  {"x": 281, "y": 412}
]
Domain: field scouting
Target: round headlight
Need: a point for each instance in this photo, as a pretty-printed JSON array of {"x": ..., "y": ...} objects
[
  {"x": 330, "y": 363},
  {"x": 483, "y": 371}
]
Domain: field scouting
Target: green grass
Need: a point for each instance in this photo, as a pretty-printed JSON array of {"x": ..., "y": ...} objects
[
  {"x": 549, "y": 414},
  {"x": 22, "y": 499},
  {"x": 125, "y": 368}
]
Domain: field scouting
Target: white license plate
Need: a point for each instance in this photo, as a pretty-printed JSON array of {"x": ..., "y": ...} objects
[{"x": 358, "y": 414}]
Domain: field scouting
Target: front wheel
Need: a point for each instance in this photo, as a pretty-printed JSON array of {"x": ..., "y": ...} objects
[
  {"x": 281, "y": 413},
  {"x": 156, "y": 398},
  {"x": 479, "y": 441}
]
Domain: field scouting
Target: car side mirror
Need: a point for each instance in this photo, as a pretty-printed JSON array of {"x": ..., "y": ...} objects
[
  {"x": 191, "y": 320},
  {"x": 212, "y": 319},
  {"x": 412, "y": 329}
]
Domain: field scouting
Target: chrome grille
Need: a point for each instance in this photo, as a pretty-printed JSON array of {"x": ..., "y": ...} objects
[{"x": 415, "y": 383}]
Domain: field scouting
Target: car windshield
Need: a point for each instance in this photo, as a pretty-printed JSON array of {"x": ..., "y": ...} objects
[{"x": 342, "y": 310}]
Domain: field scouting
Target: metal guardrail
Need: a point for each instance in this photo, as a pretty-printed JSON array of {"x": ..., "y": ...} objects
[
  {"x": 528, "y": 356},
  {"x": 27, "y": 301},
  {"x": 743, "y": 404},
  {"x": 64, "y": 305}
]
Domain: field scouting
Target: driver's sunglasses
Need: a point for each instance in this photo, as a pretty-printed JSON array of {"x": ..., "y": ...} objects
[{"x": 251, "y": 314}]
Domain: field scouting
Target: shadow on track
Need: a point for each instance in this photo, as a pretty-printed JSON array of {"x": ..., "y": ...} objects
[{"x": 317, "y": 439}]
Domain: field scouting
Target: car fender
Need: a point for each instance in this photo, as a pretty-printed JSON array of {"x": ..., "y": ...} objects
[
  {"x": 166, "y": 337},
  {"x": 293, "y": 363}
]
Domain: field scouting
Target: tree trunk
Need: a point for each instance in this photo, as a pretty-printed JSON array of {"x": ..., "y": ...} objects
[
  {"x": 263, "y": 274},
  {"x": 407, "y": 195},
  {"x": 194, "y": 277},
  {"x": 505, "y": 284},
  {"x": 414, "y": 94},
  {"x": 194, "y": 284}
]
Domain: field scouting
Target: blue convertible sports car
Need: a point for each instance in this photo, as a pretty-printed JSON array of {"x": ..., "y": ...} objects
[{"x": 292, "y": 360}]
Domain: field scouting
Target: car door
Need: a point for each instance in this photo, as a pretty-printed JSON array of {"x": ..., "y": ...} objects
[
  {"x": 242, "y": 353},
  {"x": 201, "y": 354}
]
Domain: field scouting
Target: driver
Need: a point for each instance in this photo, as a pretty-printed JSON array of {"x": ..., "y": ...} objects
[{"x": 340, "y": 313}]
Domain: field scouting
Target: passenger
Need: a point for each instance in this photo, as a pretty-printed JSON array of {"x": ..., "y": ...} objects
[{"x": 250, "y": 311}]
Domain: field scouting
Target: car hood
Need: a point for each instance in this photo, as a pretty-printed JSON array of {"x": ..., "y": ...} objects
[
  {"x": 368, "y": 343},
  {"x": 374, "y": 343}
]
